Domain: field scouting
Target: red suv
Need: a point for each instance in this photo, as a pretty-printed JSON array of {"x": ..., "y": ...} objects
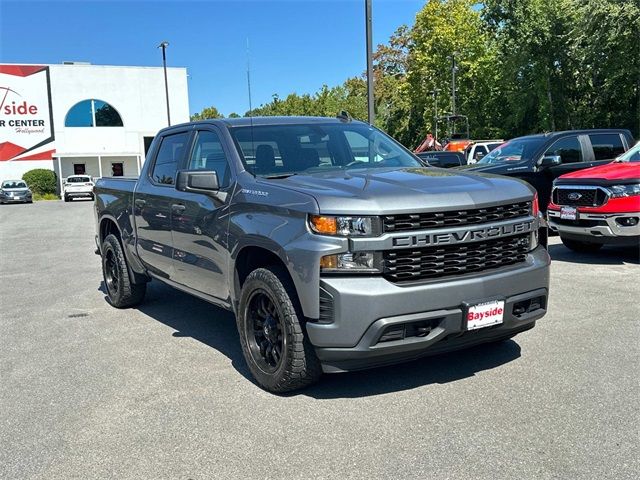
[{"x": 597, "y": 206}]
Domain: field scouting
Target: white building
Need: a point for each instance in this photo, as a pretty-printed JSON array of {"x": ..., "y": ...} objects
[{"x": 81, "y": 118}]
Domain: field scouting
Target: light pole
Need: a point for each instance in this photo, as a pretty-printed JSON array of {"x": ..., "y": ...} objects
[
  {"x": 435, "y": 92},
  {"x": 370, "y": 104},
  {"x": 164, "y": 46}
]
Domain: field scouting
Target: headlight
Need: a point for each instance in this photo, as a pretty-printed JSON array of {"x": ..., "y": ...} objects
[
  {"x": 618, "y": 191},
  {"x": 345, "y": 226},
  {"x": 357, "y": 262}
]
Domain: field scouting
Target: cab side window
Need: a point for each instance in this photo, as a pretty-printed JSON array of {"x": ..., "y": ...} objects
[
  {"x": 568, "y": 148},
  {"x": 208, "y": 154},
  {"x": 606, "y": 146},
  {"x": 169, "y": 156}
]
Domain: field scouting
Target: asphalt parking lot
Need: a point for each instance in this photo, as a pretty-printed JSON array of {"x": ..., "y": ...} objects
[{"x": 162, "y": 391}]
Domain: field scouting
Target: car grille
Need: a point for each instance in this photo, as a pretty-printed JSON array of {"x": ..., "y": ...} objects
[
  {"x": 579, "y": 197},
  {"x": 454, "y": 218},
  {"x": 440, "y": 261}
]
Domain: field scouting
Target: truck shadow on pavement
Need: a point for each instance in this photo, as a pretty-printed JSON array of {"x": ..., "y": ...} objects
[
  {"x": 606, "y": 256},
  {"x": 216, "y": 327}
]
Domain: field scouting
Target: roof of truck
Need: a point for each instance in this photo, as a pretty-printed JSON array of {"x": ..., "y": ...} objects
[{"x": 255, "y": 121}]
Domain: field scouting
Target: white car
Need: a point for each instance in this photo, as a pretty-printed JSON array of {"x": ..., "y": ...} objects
[
  {"x": 77, "y": 186},
  {"x": 479, "y": 149}
]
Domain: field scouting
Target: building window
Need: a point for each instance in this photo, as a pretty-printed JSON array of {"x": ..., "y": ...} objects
[
  {"x": 79, "y": 169},
  {"x": 93, "y": 113},
  {"x": 117, "y": 169}
]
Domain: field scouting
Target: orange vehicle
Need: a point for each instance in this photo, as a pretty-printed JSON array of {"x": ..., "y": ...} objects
[{"x": 458, "y": 141}]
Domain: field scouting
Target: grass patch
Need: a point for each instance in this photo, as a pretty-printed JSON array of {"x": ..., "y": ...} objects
[{"x": 45, "y": 196}]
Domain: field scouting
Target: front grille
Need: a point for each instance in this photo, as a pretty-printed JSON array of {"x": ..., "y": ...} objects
[
  {"x": 579, "y": 197},
  {"x": 454, "y": 218},
  {"x": 440, "y": 261}
]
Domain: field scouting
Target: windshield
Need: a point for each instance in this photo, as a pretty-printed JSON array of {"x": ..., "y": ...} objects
[
  {"x": 283, "y": 150},
  {"x": 632, "y": 155},
  {"x": 14, "y": 184},
  {"x": 513, "y": 151},
  {"x": 78, "y": 180}
]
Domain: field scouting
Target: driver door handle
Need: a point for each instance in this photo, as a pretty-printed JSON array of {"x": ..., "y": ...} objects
[{"x": 140, "y": 203}]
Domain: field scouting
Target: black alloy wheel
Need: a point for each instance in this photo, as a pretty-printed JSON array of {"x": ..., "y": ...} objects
[
  {"x": 111, "y": 273},
  {"x": 122, "y": 292},
  {"x": 265, "y": 331}
]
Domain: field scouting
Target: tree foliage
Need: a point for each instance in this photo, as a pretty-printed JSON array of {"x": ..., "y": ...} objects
[
  {"x": 523, "y": 67},
  {"x": 208, "y": 112}
]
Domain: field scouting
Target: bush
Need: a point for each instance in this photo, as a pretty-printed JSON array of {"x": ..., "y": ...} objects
[
  {"x": 46, "y": 196},
  {"x": 41, "y": 181}
]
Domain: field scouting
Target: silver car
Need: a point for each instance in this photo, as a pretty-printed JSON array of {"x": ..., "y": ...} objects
[{"x": 15, "y": 191}]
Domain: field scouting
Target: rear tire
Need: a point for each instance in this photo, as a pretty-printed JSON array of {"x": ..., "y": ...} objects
[
  {"x": 582, "y": 247},
  {"x": 121, "y": 291},
  {"x": 277, "y": 352}
]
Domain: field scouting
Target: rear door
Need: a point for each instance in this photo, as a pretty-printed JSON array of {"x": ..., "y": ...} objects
[
  {"x": 153, "y": 198},
  {"x": 605, "y": 147},
  {"x": 200, "y": 221}
]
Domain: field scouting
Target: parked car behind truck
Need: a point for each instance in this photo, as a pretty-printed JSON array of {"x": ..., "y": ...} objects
[
  {"x": 540, "y": 159},
  {"x": 335, "y": 248},
  {"x": 599, "y": 206}
]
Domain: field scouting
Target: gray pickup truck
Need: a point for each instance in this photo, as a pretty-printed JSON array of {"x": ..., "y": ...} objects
[{"x": 333, "y": 245}]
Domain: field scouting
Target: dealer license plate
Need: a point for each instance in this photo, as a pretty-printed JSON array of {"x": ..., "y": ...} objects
[
  {"x": 485, "y": 314},
  {"x": 568, "y": 213}
]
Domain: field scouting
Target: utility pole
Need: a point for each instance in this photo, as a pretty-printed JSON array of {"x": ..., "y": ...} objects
[
  {"x": 368, "y": 29},
  {"x": 454, "y": 68},
  {"x": 164, "y": 46},
  {"x": 453, "y": 83},
  {"x": 435, "y": 92}
]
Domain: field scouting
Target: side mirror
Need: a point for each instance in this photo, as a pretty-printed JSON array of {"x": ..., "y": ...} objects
[
  {"x": 550, "y": 161},
  {"x": 198, "y": 181}
]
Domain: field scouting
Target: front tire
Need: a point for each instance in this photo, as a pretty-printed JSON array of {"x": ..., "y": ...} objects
[
  {"x": 121, "y": 291},
  {"x": 278, "y": 354},
  {"x": 66, "y": 199},
  {"x": 579, "y": 246}
]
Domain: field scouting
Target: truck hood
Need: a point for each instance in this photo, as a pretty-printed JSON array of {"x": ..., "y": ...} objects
[
  {"x": 380, "y": 191},
  {"x": 610, "y": 171}
]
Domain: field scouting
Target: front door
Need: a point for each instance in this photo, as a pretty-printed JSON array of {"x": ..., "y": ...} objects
[
  {"x": 153, "y": 200},
  {"x": 200, "y": 221},
  {"x": 572, "y": 154}
]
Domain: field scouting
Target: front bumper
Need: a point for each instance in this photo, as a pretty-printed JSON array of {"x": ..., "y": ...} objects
[
  {"x": 363, "y": 309},
  {"x": 598, "y": 227},
  {"x": 21, "y": 199}
]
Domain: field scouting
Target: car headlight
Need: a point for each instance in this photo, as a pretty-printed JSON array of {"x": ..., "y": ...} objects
[
  {"x": 618, "y": 191},
  {"x": 345, "y": 226},
  {"x": 356, "y": 262}
]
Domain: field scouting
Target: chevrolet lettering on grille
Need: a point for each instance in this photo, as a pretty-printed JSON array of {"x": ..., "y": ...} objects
[{"x": 466, "y": 236}]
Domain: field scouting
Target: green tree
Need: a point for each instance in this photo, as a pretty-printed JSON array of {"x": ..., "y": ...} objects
[
  {"x": 208, "y": 112},
  {"x": 234, "y": 115},
  {"x": 445, "y": 28}
]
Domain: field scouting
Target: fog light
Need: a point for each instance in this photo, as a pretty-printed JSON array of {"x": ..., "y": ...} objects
[{"x": 627, "y": 221}]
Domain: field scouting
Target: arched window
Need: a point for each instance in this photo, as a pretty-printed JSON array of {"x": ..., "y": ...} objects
[{"x": 92, "y": 113}]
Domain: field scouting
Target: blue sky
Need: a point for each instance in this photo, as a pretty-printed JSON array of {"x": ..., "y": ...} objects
[{"x": 295, "y": 45}]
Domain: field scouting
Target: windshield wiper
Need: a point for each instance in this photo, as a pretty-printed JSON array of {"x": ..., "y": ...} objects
[{"x": 280, "y": 175}]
